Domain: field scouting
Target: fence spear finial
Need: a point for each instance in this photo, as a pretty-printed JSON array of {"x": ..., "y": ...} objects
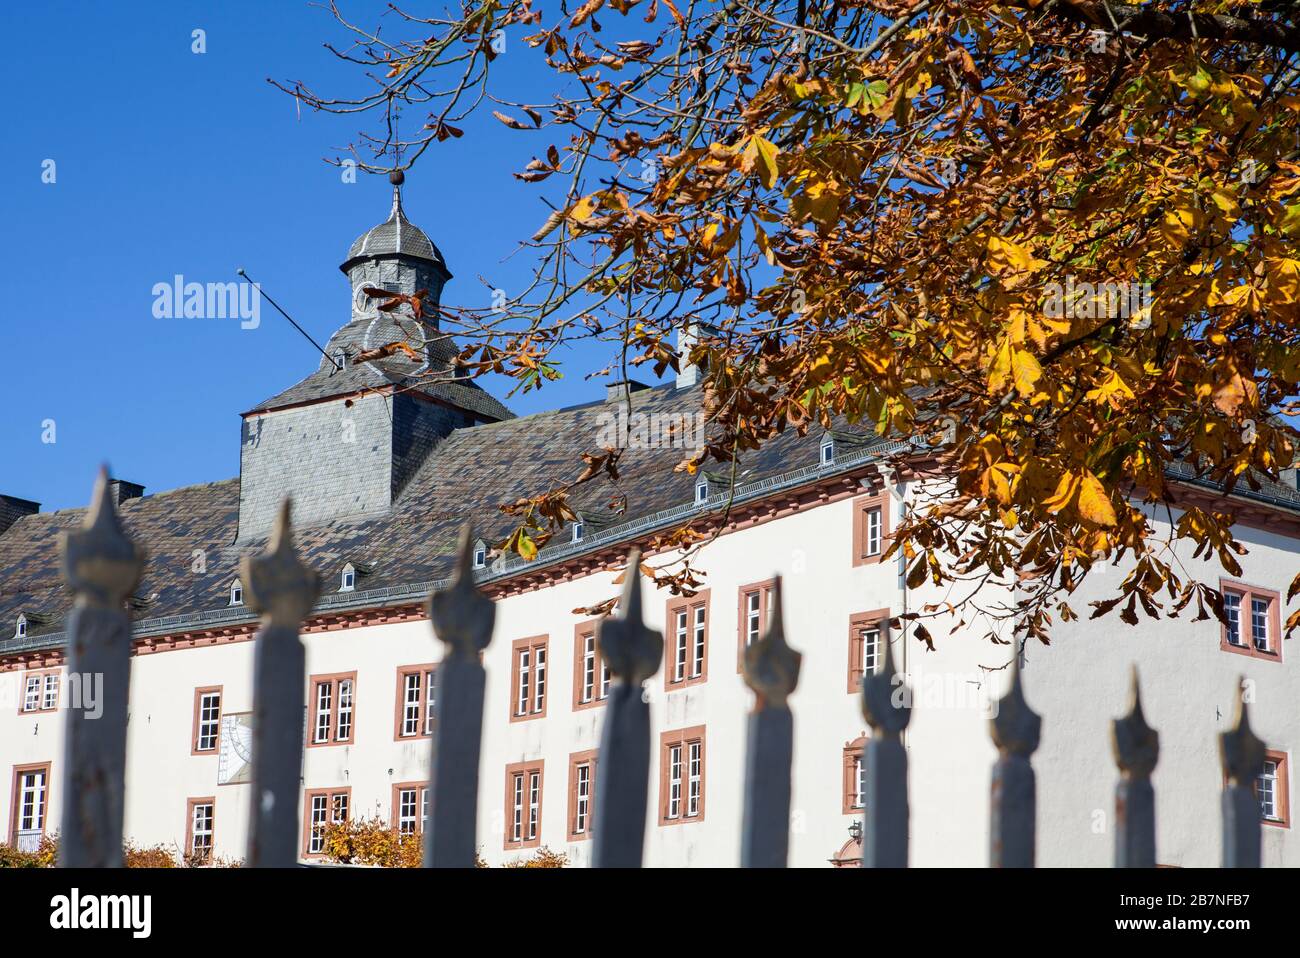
[
  {"x": 1241, "y": 749},
  {"x": 771, "y": 667},
  {"x": 1016, "y": 726},
  {"x": 878, "y": 706},
  {"x": 631, "y": 649},
  {"x": 1243, "y": 755},
  {"x": 100, "y": 563},
  {"x": 462, "y": 616},
  {"x": 1136, "y": 744},
  {"x": 280, "y": 587},
  {"x": 1137, "y": 747}
]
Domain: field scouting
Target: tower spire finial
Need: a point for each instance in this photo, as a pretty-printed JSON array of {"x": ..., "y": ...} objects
[{"x": 397, "y": 178}]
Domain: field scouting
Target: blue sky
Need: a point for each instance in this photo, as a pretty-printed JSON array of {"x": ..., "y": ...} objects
[{"x": 168, "y": 162}]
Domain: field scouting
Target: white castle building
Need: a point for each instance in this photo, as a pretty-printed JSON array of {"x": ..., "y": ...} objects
[{"x": 385, "y": 459}]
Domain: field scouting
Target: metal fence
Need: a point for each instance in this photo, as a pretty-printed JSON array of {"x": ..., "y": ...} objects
[{"x": 103, "y": 566}]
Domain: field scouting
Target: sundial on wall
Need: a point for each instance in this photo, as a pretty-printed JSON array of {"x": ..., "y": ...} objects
[{"x": 235, "y": 762}]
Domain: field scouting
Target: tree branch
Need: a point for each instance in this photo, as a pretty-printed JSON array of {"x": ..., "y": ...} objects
[{"x": 1162, "y": 25}]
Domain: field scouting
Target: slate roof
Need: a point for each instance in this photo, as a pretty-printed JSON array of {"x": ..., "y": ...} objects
[
  {"x": 431, "y": 374},
  {"x": 469, "y": 475},
  {"x": 396, "y": 234}
]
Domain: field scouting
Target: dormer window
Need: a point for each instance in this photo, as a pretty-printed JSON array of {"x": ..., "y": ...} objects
[
  {"x": 828, "y": 450},
  {"x": 236, "y": 593},
  {"x": 349, "y": 581},
  {"x": 340, "y": 359},
  {"x": 480, "y": 554},
  {"x": 577, "y": 531},
  {"x": 701, "y": 491},
  {"x": 20, "y": 630}
]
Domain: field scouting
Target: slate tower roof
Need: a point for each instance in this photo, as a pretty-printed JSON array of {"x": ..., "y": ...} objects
[
  {"x": 395, "y": 235},
  {"x": 344, "y": 441}
]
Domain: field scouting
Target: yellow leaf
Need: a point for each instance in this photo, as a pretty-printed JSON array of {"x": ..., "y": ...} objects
[
  {"x": 761, "y": 153},
  {"x": 1027, "y": 372},
  {"x": 583, "y": 209},
  {"x": 999, "y": 369},
  {"x": 527, "y": 548},
  {"x": 1005, "y": 255},
  {"x": 1226, "y": 201},
  {"x": 1177, "y": 224},
  {"x": 764, "y": 244},
  {"x": 1094, "y": 504},
  {"x": 1065, "y": 490}
]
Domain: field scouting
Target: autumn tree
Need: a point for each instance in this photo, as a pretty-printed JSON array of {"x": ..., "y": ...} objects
[{"x": 1048, "y": 242}]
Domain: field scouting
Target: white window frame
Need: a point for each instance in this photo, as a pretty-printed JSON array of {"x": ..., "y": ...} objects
[
  {"x": 827, "y": 451},
  {"x": 1266, "y": 790},
  {"x": 517, "y": 809},
  {"x": 577, "y": 531},
  {"x": 1259, "y": 623},
  {"x": 701, "y": 491},
  {"x": 681, "y": 643},
  {"x": 534, "y": 804},
  {"x": 539, "y": 679},
  {"x": 753, "y": 616},
  {"x": 700, "y": 636},
  {"x": 582, "y": 802},
  {"x": 695, "y": 778},
  {"x": 324, "y": 711},
  {"x": 409, "y": 821},
  {"x": 209, "y": 721},
  {"x": 20, "y": 627},
  {"x": 202, "y": 826},
  {"x": 480, "y": 554},
  {"x": 236, "y": 593},
  {"x": 1232, "y": 612},
  {"x": 874, "y": 529},
  {"x": 320, "y": 805},
  {"x": 430, "y": 699},
  {"x": 32, "y": 694},
  {"x": 588, "y": 691},
  {"x": 523, "y": 668},
  {"x": 346, "y": 688},
  {"x": 870, "y": 636},
  {"x": 675, "y": 781},
  {"x": 348, "y": 581},
  {"x": 33, "y": 793},
  {"x": 412, "y": 683},
  {"x": 50, "y": 692}
]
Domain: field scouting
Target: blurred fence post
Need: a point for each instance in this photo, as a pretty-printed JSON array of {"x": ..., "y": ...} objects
[
  {"x": 886, "y": 705},
  {"x": 1242, "y": 754},
  {"x": 1015, "y": 730},
  {"x": 1137, "y": 747},
  {"x": 632, "y": 651},
  {"x": 283, "y": 591},
  {"x": 772, "y": 670},
  {"x": 102, "y": 566},
  {"x": 462, "y": 617}
]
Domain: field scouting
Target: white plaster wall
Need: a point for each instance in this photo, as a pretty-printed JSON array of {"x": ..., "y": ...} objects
[
  {"x": 1189, "y": 694},
  {"x": 1078, "y": 685}
]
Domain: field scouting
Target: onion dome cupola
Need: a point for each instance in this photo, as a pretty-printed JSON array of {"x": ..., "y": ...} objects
[
  {"x": 397, "y": 256},
  {"x": 344, "y": 441}
]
